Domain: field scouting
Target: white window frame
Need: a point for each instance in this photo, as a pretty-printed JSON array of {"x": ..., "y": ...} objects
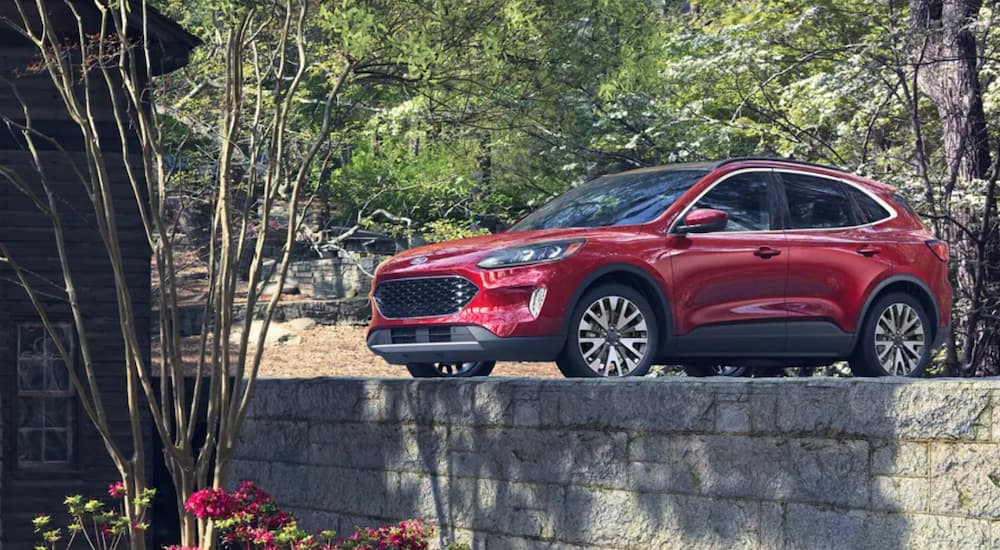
[{"x": 46, "y": 394}]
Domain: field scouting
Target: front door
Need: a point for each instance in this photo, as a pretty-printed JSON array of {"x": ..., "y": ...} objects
[{"x": 729, "y": 286}]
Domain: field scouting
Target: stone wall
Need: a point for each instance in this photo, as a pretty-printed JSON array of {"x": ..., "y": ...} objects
[
  {"x": 656, "y": 463},
  {"x": 343, "y": 311},
  {"x": 334, "y": 277}
]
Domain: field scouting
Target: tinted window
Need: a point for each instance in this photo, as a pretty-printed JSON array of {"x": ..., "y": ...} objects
[
  {"x": 816, "y": 203},
  {"x": 901, "y": 201},
  {"x": 744, "y": 197},
  {"x": 869, "y": 211},
  {"x": 621, "y": 199}
]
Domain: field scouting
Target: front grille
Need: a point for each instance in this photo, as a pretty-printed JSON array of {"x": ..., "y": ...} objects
[
  {"x": 425, "y": 297},
  {"x": 404, "y": 336}
]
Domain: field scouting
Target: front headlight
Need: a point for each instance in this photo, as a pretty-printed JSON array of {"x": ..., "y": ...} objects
[{"x": 531, "y": 254}]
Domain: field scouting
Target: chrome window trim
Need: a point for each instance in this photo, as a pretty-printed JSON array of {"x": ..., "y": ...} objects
[
  {"x": 893, "y": 212},
  {"x": 690, "y": 206}
]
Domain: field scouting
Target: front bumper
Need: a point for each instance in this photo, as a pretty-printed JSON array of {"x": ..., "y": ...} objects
[{"x": 458, "y": 344}]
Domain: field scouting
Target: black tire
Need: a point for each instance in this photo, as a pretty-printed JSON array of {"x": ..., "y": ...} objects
[
  {"x": 865, "y": 361},
  {"x": 451, "y": 370},
  {"x": 571, "y": 360},
  {"x": 703, "y": 371}
]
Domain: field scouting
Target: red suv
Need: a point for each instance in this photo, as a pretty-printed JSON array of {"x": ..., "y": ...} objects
[{"x": 743, "y": 262}]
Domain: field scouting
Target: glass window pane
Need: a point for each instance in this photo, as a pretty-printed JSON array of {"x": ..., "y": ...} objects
[
  {"x": 56, "y": 413},
  {"x": 901, "y": 201},
  {"x": 816, "y": 203},
  {"x": 31, "y": 374},
  {"x": 56, "y": 446},
  {"x": 30, "y": 413},
  {"x": 871, "y": 210},
  {"x": 57, "y": 377},
  {"x": 29, "y": 446},
  {"x": 620, "y": 199},
  {"x": 31, "y": 341},
  {"x": 744, "y": 198}
]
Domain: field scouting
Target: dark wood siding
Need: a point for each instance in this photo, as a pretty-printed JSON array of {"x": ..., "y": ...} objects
[{"x": 26, "y": 493}]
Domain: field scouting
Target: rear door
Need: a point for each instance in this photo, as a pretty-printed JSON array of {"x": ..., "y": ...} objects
[
  {"x": 729, "y": 285},
  {"x": 835, "y": 256}
]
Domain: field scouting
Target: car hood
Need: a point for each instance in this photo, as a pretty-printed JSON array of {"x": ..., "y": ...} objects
[{"x": 468, "y": 252}]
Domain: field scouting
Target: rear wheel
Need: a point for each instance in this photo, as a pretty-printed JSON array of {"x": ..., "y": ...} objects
[
  {"x": 451, "y": 370},
  {"x": 895, "y": 338},
  {"x": 613, "y": 334}
]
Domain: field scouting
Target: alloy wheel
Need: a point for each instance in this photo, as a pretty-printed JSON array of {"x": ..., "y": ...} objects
[
  {"x": 899, "y": 339},
  {"x": 613, "y": 336}
]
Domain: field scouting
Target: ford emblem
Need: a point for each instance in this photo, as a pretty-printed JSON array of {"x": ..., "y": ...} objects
[{"x": 419, "y": 260}]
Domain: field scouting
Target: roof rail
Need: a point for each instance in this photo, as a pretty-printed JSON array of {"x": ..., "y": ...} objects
[{"x": 778, "y": 159}]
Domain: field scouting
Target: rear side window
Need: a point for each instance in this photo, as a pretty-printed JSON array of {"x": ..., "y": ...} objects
[
  {"x": 901, "y": 201},
  {"x": 744, "y": 197},
  {"x": 816, "y": 203},
  {"x": 869, "y": 210}
]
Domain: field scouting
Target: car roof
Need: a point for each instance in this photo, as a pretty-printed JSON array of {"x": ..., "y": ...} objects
[
  {"x": 772, "y": 162},
  {"x": 705, "y": 166}
]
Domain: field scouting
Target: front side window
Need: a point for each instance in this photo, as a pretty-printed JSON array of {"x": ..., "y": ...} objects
[
  {"x": 623, "y": 199},
  {"x": 44, "y": 397},
  {"x": 745, "y": 198},
  {"x": 816, "y": 203}
]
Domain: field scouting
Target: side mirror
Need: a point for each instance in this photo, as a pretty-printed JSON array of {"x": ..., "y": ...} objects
[{"x": 703, "y": 220}]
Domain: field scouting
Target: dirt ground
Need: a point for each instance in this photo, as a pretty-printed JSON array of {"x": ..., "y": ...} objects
[
  {"x": 337, "y": 351},
  {"x": 341, "y": 351},
  {"x": 319, "y": 351}
]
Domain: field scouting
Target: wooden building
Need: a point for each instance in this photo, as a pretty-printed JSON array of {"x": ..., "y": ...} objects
[{"x": 48, "y": 449}]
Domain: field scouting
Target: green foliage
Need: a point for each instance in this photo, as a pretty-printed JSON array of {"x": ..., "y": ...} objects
[
  {"x": 94, "y": 523},
  {"x": 455, "y": 112},
  {"x": 457, "y": 109},
  {"x": 447, "y": 230}
]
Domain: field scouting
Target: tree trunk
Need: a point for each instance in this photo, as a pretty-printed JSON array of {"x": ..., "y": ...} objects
[{"x": 944, "y": 54}]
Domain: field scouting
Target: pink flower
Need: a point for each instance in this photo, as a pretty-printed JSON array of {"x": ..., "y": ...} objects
[
  {"x": 117, "y": 490},
  {"x": 211, "y": 504},
  {"x": 263, "y": 537}
]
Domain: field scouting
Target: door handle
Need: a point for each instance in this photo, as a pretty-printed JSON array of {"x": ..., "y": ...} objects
[
  {"x": 766, "y": 252},
  {"x": 869, "y": 251}
]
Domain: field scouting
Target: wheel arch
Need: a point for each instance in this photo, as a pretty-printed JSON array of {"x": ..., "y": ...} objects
[
  {"x": 634, "y": 277},
  {"x": 907, "y": 284}
]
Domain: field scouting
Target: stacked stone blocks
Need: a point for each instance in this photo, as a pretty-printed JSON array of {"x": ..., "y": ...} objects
[
  {"x": 656, "y": 463},
  {"x": 334, "y": 277}
]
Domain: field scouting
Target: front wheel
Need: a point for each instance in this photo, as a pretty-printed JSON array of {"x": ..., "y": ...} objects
[
  {"x": 613, "y": 334},
  {"x": 451, "y": 370},
  {"x": 895, "y": 339}
]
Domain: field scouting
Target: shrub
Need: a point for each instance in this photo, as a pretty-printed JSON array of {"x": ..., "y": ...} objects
[
  {"x": 249, "y": 519},
  {"x": 244, "y": 519},
  {"x": 95, "y": 523}
]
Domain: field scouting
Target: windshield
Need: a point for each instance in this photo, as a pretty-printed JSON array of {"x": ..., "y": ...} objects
[{"x": 622, "y": 199}]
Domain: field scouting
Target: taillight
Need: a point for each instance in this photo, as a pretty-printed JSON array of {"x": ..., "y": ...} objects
[{"x": 939, "y": 248}]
